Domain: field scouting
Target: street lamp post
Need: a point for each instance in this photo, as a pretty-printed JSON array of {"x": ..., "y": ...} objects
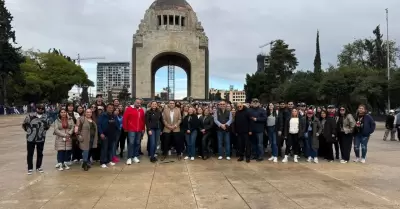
[{"x": 388, "y": 55}]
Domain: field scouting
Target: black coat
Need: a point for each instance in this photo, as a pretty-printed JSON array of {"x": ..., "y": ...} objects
[
  {"x": 153, "y": 119},
  {"x": 329, "y": 131},
  {"x": 389, "y": 122},
  {"x": 242, "y": 121},
  {"x": 207, "y": 123},
  {"x": 193, "y": 124}
]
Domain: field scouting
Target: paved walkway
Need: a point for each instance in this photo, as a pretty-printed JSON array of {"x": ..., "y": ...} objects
[{"x": 198, "y": 184}]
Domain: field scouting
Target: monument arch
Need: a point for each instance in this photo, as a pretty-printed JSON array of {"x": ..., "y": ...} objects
[{"x": 170, "y": 34}]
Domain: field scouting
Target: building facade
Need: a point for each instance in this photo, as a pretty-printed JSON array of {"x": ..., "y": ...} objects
[
  {"x": 112, "y": 76},
  {"x": 261, "y": 62},
  {"x": 232, "y": 95}
]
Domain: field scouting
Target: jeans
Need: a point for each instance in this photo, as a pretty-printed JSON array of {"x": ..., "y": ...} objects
[
  {"x": 363, "y": 141},
  {"x": 30, "y": 147},
  {"x": 116, "y": 142},
  {"x": 134, "y": 144},
  {"x": 272, "y": 136},
  {"x": 153, "y": 139},
  {"x": 106, "y": 149},
  {"x": 308, "y": 146},
  {"x": 85, "y": 153},
  {"x": 224, "y": 136},
  {"x": 62, "y": 156},
  {"x": 191, "y": 143},
  {"x": 258, "y": 144}
]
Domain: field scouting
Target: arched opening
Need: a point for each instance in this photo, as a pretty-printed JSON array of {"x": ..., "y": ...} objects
[{"x": 162, "y": 61}]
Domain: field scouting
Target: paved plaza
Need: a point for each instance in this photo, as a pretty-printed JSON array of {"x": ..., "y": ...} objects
[{"x": 198, "y": 184}]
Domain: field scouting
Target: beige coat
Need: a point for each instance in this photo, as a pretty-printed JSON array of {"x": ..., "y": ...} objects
[
  {"x": 84, "y": 134},
  {"x": 167, "y": 119},
  {"x": 61, "y": 133},
  {"x": 348, "y": 124}
]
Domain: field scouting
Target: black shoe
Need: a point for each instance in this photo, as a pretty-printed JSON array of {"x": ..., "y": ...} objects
[
  {"x": 163, "y": 157},
  {"x": 254, "y": 158},
  {"x": 121, "y": 156},
  {"x": 240, "y": 159},
  {"x": 247, "y": 160},
  {"x": 85, "y": 166},
  {"x": 153, "y": 159},
  {"x": 141, "y": 153},
  {"x": 259, "y": 159}
]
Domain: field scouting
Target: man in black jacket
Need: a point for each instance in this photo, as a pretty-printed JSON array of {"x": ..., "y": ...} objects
[
  {"x": 258, "y": 118},
  {"x": 242, "y": 123}
]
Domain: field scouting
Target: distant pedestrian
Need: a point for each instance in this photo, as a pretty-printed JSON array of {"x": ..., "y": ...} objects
[{"x": 390, "y": 128}]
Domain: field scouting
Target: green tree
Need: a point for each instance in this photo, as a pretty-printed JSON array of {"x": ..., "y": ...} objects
[
  {"x": 302, "y": 87},
  {"x": 10, "y": 55},
  {"x": 124, "y": 94},
  {"x": 47, "y": 76},
  {"x": 281, "y": 61},
  {"x": 317, "y": 60}
]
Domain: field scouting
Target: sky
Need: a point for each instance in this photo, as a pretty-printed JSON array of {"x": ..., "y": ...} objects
[{"x": 235, "y": 29}]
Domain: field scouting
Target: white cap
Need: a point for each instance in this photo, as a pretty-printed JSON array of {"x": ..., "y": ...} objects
[{"x": 391, "y": 111}]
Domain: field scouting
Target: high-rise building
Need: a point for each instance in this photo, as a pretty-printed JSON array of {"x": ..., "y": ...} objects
[
  {"x": 261, "y": 62},
  {"x": 111, "y": 76}
]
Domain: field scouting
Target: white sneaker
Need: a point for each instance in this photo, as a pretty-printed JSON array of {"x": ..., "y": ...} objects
[
  {"x": 362, "y": 160},
  {"x": 295, "y": 159},
  {"x": 30, "y": 171},
  {"x": 68, "y": 163},
  {"x": 103, "y": 166},
  {"x": 309, "y": 159},
  {"x": 58, "y": 165},
  {"x": 271, "y": 158},
  {"x": 112, "y": 163},
  {"x": 136, "y": 160},
  {"x": 66, "y": 166},
  {"x": 285, "y": 159},
  {"x": 315, "y": 160},
  {"x": 186, "y": 158},
  {"x": 220, "y": 158},
  {"x": 228, "y": 158},
  {"x": 356, "y": 160},
  {"x": 155, "y": 155},
  {"x": 60, "y": 168},
  {"x": 169, "y": 152},
  {"x": 343, "y": 161},
  {"x": 192, "y": 158},
  {"x": 129, "y": 161},
  {"x": 275, "y": 160}
]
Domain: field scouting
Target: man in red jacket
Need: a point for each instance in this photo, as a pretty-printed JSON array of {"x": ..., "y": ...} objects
[{"x": 133, "y": 122}]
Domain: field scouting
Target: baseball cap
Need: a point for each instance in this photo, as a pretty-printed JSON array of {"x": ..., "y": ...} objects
[
  {"x": 255, "y": 100},
  {"x": 391, "y": 111},
  {"x": 331, "y": 106},
  {"x": 310, "y": 112}
]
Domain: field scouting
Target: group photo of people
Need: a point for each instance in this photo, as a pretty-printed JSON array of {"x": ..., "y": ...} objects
[{"x": 108, "y": 134}]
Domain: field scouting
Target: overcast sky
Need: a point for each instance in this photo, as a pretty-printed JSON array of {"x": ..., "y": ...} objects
[{"x": 236, "y": 28}]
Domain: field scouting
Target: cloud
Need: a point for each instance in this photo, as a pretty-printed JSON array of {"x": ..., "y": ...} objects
[{"x": 235, "y": 28}]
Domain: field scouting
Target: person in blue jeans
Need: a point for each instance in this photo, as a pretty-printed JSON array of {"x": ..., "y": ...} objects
[
  {"x": 190, "y": 126},
  {"x": 258, "y": 118},
  {"x": 107, "y": 125},
  {"x": 311, "y": 135},
  {"x": 153, "y": 125},
  {"x": 223, "y": 119},
  {"x": 365, "y": 126},
  {"x": 272, "y": 124}
]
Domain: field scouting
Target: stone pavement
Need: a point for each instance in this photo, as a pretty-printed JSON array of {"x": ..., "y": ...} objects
[{"x": 198, "y": 184}]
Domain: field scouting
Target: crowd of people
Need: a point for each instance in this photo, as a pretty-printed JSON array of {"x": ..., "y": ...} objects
[{"x": 100, "y": 132}]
